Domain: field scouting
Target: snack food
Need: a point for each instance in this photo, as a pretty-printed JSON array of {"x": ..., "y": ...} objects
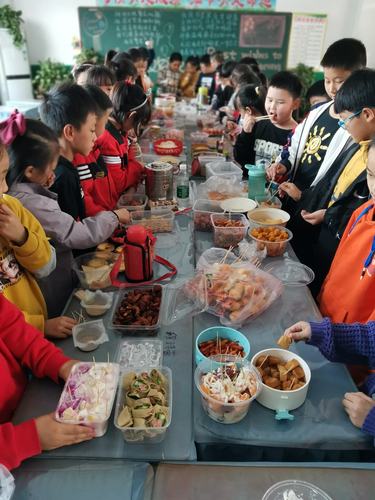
[
  {"x": 88, "y": 395},
  {"x": 279, "y": 374},
  {"x": 273, "y": 238},
  {"x": 157, "y": 222},
  {"x": 229, "y": 229},
  {"x": 93, "y": 269},
  {"x": 144, "y": 411},
  {"x": 284, "y": 342},
  {"x": 221, "y": 346},
  {"x": 139, "y": 308},
  {"x": 105, "y": 247}
]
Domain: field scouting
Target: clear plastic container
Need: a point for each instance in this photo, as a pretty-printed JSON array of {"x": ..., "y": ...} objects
[
  {"x": 229, "y": 236},
  {"x": 268, "y": 216},
  {"x": 132, "y": 329},
  {"x": 271, "y": 202},
  {"x": 7, "y": 484},
  {"x": 274, "y": 248},
  {"x": 224, "y": 413},
  {"x": 96, "y": 303},
  {"x": 290, "y": 272},
  {"x": 224, "y": 168},
  {"x": 89, "y": 335},
  {"x": 294, "y": 489},
  {"x": 202, "y": 211},
  {"x": 94, "y": 269},
  {"x": 161, "y": 221},
  {"x": 95, "y": 375},
  {"x": 139, "y": 353},
  {"x": 142, "y": 435},
  {"x": 199, "y": 138},
  {"x": 132, "y": 202}
]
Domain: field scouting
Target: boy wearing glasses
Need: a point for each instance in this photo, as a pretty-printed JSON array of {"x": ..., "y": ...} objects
[{"x": 318, "y": 140}]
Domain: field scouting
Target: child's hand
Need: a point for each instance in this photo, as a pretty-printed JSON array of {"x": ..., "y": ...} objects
[
  {"x": 123, "y": 215},
  {"x": 357, "y": 405},
  {"x": 60, "y": 327},
  {"x": 65, "y": 369},
  {"x": 248, "y": 123},
  {"x": 291, "y": 190},
  {"x": 275, "y": 170},
  {"x": 299, "y": 331},
  {"x": 11, "y": 227},
  {"x": 313, "y": 218},
  {"x": 54, "y": 434}
]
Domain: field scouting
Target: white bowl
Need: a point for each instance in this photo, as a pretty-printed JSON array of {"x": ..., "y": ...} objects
[
  {"x": 268, "y": 216},
  {"x": 238, "y": 205}
]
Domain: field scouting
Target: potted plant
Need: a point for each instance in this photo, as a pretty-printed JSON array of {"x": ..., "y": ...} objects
[
  {"x": 306, "y": 75},
  {"x": 88, "y": 55},
  {"x": 11, "y": 20},
  {"x": 48, "y": 74}
]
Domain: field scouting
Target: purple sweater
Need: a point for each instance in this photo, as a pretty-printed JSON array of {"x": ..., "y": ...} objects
[{"x": 349, "y": 343}]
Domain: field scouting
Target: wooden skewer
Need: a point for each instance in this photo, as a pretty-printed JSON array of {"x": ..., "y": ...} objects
[{"x": 260, "y": 118}]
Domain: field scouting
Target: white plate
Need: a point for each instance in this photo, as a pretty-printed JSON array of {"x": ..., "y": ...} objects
[{"x": 239, "y": 205}]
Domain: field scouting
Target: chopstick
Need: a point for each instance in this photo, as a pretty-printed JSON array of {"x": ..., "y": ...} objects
[{"x": 260, "y": 118}]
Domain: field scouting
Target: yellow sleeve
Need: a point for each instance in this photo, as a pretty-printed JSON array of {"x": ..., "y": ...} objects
[{"x": 37, "y": 320}]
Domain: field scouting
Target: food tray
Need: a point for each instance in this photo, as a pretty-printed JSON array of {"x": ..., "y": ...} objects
[
  {"x": 202, "y": 211},
  {"x": 161, "y": 221},
  {"x": 125, "y": 201}
]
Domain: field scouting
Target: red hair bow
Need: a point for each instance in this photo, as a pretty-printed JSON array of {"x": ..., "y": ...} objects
[{"x": 12, "y": 127}]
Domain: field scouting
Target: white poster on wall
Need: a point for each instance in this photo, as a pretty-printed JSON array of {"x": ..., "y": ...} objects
[{"x": 306, "y": 40}]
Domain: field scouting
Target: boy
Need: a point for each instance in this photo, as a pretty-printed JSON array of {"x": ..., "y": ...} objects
[
  {"x": 265, "y": 139},
  {"x": 169, "y": 77},
  {"x": 207, "y": 75},
  {"x": 71, "y": 113},
  {"x": 318, "y": 140},
  {"x": 188, "y": 79},
  {"x": 316, "y": 94}
]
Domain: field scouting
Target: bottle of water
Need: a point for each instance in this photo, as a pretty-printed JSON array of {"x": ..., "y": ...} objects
[{"x": 182, "y": 187}]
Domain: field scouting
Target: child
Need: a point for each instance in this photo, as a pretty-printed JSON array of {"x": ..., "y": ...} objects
[
  {"x": 169, "y": 77},
  {"x": 123, "y": 67},
  {"x": 102, "y": 77},
  {"x": 225, "y": 88},
  {"x": 140, "y": 61},
  {"x": 189, "y": 78},
  {"x": 25, "y": 252},
  {"x": 265, "y": 139},
  {"x": 241, "y": 75},
  {"x": 22, "y": 346},
  {"x": 100, "y": 192},
  {"x": 316, "y": 94},
  {"x": 318, "y": 140},
  {"x": 71, "y": 113},
  {"x": 353, "y": 343},
  {"x": 79, "y": 72},
  {"x": 131, "y": 110},
  {"x": 326, "y": 208},
  {"x": 207, "y": 75},
  {"x": 33, "y": 157}
]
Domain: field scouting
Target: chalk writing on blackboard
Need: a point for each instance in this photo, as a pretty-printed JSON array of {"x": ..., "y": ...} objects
[{"x": 262, "y": 31}]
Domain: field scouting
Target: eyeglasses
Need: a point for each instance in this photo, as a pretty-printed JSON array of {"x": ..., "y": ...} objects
[{"x": 343, "y": 123}]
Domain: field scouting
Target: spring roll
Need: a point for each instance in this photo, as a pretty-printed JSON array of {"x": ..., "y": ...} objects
[
  {"x": 127, "y": 380},
  {"x": 125, "y": 418}
]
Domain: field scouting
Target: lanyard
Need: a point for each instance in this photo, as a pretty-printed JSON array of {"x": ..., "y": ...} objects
[{"x": 372, "y": 251}]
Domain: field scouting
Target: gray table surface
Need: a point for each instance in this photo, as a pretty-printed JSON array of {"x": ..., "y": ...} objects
[
  {"x": 42, "y": 396},
  {"x": 251, "y": 481},
  {"x": 95, "y": 479},
  {"x": 321, "y": 422}
]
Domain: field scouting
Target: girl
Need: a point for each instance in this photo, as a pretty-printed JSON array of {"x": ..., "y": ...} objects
[
  {"x": 189, "y": 77},
  {"x": 140, "y": 61},
  {"x": 102, "y": 77},
  {"x": 25, "y": 253},
  {"x": 33, "y": 158},
  {"x": 347, "y": 343},
  {"x": 123, "y": 67},
  {"x": 131, "y": 110}
]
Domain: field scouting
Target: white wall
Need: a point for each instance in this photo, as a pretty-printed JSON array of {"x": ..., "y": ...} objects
[{"x": 52, "y": 24}]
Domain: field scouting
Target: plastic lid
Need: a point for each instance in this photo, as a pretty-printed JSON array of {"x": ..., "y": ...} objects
[
  {"x": 290, "y": 272},
  {"x": 179, "y": 303},
  {"x": 136, "y": 234},
  {"x": 295, "y": 489},
  {"x": 239, "y": 204}
]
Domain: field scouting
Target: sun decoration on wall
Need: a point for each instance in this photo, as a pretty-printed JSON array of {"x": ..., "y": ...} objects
[{"x": 315, "y": 144}]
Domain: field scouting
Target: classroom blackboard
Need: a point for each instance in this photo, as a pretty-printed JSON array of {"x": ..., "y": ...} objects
[{"x": 264, "y": 36}]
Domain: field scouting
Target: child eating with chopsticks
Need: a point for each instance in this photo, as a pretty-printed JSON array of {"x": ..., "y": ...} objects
[{"x": 263, "y": 137}]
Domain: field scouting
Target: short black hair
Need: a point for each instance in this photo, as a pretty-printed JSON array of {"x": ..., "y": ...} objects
[
  {"x": 67, "y": 103},
  {"x": 122, "y": 66},
  {"x": 357, "y": 92},
  {"x": 253, "y": 97},
  {"x": 218, "y": 56},
  {"x": 78, "y": 69},
  {"x": 175, "y": 56},
  {"x": 135, "y": 54},
  {"x": 248, "y": 79},
  {"x": 226, "y": 69},
  {"x": 193, "y": 60},
  {"x": 241, "y": 70},
  {"x": 347, "y": 53},
  {"x": 251, "y": 62},
  {"x": 205, "y": 59},
  {"x": 37, "y": 147},
  {"x": 100, "y": 75},
  {"x": 102, "y": 101},
  {"x": 110, "y": 54},
  {"x": 125, "y": 97},
  {"x": 144, "y": 53},
  {"x": 288, "y": 81},
  {"x": 316, "y": 89}
]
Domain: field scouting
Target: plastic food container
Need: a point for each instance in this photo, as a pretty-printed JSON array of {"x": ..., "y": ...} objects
[
  {"x": 224, "y": 168},
  {"x": 89, "y": 335},
  {"x": 132, "y": 329},
  {"x": 7, "y": 484},
  {"x": 290, "y": 272},
  {"x": 238, "y": 205},
  {"x": 142, "y": 435},
  {"x": 268, "y": 217},
  {"x": 216, "y": 333},
  {"x": 93, "y": 269},
  {"x": 274, "y": 248},
  {"x": 139, "y": 353},
  {"x": 270, "y": 203},
  {"x": 283, "y": 401},
  {"x": 205, "y": 158},
  {"x": 202, "y": 210},
  {"x": 132, "y": 202},
  {"x": 96, "y": 303},
  {"x": 225, "y": 237},
  {"x": 293, "y": 488},
  {"x": 224, "y": 413},
  {"x": 199, "y": 138},
  {"x": 161, "y": 221},
  {"x": 165, "y": 147},
  {"x": 88, "y": 396}
]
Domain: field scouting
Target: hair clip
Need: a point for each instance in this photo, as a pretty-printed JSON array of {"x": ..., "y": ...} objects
[
  {"x": 140, "y": 106},
  {"x": 257, "y": 90}
]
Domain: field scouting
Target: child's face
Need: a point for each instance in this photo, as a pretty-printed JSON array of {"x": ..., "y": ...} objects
[
  {"x": 101, "y": 122},
  {"x": 280, "y": 105},
  {"x": 371, "y": 172},
  {"x": 83, "y": 139},
  {"x": 141, "y": 66},
  {"x": 361, "y": 124},
  {"x": 316, "y": 99},
  {"x": 174, "y": 66},
  {"x": 4, "y": 166},
  {"x": 107, "y": 89},
  {"x": 333, "y": 79},
  {"x": 190, "y": 68},
  {"x": 205, "y": 69},
  {"x": 44, "y": 178}
]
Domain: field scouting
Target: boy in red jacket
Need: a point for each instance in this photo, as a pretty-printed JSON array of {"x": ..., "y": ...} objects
[{"x": 21, "y": 345}]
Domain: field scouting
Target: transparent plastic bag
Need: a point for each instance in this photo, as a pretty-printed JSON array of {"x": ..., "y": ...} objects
[
  {"x": 220, "y": 188},
  {"x": 7, "y": 484}
]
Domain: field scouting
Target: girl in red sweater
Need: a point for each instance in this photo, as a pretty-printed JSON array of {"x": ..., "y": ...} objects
[
  {"x": 131, "y": 110},
  {"x": 23, "y": 346}
]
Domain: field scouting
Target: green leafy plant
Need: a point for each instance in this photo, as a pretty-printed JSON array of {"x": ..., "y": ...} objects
[
  {"x": 48, "y": 74},
  {"x": 89, "y": 55},
  {"x": 11, "y": 20},
  {"x": 306, "y": 75}
]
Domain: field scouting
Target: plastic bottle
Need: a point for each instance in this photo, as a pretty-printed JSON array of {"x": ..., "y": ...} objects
[
  {"x": 182, "y": 187},
  {"x": 257, "y": 182},
  {"x": 202, "y": 99}
]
